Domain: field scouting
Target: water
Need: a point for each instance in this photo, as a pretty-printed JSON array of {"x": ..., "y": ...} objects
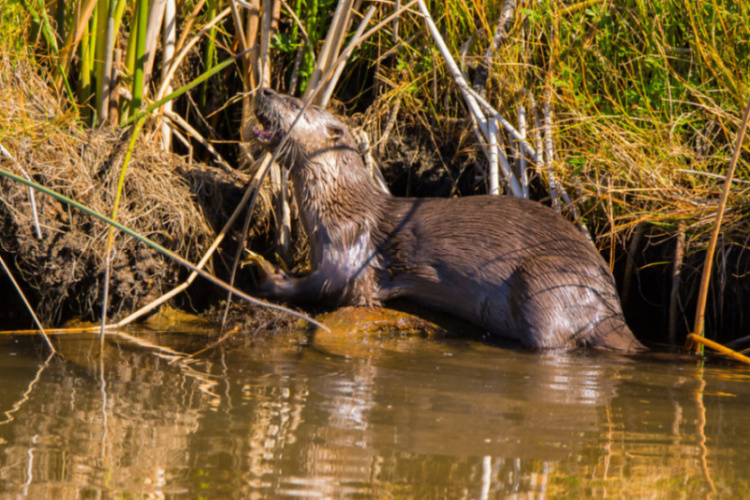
[{"x": 393, "y": 416}]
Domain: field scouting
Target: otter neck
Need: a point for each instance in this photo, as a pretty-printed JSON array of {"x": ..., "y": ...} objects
[{"x": 338, "y": 199}]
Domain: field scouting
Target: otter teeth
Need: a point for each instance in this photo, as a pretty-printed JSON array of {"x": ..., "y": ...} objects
[{"x": 265, "y": 131}]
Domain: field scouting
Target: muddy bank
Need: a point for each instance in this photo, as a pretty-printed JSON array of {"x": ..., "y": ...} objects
[{"x": 60, "y": 260}]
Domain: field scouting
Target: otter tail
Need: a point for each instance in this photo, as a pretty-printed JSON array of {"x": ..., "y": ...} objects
[{"x": 613, "y": 333}]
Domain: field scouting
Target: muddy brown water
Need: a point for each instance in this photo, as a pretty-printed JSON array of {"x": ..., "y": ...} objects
[{"x": 383, "y": 415}]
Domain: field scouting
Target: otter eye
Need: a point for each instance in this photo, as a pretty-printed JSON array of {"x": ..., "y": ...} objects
[
  {"x": 335, "y": 131},
  {"x": 295, "y": 104}
]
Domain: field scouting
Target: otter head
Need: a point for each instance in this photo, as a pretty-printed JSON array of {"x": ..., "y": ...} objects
[{"x": 315, "y": 133}]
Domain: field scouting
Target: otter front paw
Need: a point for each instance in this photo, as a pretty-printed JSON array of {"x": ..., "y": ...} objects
[{"x": 269, "y": 279}]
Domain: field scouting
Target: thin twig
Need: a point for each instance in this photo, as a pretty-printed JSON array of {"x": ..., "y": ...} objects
[
  {"x": 710, "y": 174},
  {"x": 674, "y": 296},
  {"x": 394, "y": 35},
  {"x": 214, "y": 344},
  {"x": 177, "y": 119},
  {"x": 32, "y": 200},
  {"x": 27, "y": 304},
  {"x": 331, "y": 84},
  {"x": 708, "y": 263},
  {"x": 363, "y": 144},
  {"x": 471, "y": 97},
  {"x": 389, "y": 124}
]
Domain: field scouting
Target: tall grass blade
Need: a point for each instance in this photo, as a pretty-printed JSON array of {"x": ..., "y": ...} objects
[{"x": 99, "y": 41}]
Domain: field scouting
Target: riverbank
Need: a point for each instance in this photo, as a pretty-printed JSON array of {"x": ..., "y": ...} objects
[{"x": 632, "y": 117}]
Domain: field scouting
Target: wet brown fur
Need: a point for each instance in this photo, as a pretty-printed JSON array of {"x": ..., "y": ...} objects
[{"x": 509, "y": 265}]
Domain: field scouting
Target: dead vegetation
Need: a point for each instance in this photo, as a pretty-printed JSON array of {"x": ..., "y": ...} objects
[{"x": 65, "y": 267}]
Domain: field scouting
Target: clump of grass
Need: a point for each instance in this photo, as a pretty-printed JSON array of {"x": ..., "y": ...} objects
[
  {"x": 63, "y": 264},
  {"x": 645, "y": 99}
]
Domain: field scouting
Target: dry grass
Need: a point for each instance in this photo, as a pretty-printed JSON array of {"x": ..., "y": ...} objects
[
  {"x": 646, "y": 101},
  {"x": 65, "y": 267}
]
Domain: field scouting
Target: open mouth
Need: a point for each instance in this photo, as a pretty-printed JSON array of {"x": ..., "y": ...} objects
[{"x": 265, "y": 130}]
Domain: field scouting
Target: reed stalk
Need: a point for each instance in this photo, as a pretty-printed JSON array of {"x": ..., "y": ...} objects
[
  {"x": 339, "y": 68},
  {"x": 84, "y": 10},
  {"x": 331, "y": 46},
  {"x": 105, "y": 78},
  {"x": 209, "y": 55},
  {"x": 99, "y": 42},
  {"x": 153, "y": 29},
  {"x": 494, "y": 171},
  {"x": 84, "y": 76},
  {"x": 168, "y": 46},
  {"x": 140, "y": 52}
]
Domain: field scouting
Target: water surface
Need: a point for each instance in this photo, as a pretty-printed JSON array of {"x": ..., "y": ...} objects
[{"x": 393, "y": 416}]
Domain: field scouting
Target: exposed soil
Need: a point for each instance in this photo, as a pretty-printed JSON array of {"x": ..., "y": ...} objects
[{"x": 62, "y": 263}]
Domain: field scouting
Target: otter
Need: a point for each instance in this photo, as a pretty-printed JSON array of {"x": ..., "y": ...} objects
[{"x": 512, "y": 266}]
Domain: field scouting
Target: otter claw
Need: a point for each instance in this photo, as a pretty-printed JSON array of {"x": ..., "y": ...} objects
[{"x": 265, "y": 268}]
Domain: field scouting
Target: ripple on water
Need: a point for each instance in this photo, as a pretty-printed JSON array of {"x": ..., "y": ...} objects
[{"x": 404, "y": 416}]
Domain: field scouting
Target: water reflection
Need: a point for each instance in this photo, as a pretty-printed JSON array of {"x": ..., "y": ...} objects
[{"x": 402, "y": 416}]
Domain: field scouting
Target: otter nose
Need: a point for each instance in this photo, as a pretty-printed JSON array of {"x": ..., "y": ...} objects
[{"x": 267, "y": 92}]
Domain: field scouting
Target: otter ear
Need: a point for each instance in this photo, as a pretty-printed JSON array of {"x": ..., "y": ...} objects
[{"x": 335, "y": 131}]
